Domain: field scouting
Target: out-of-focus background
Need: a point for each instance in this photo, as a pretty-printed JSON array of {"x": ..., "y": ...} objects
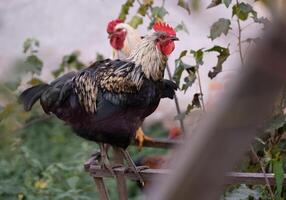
[
  {"x": 63, "y": 27},
  {"x": 41, "y": 158}
]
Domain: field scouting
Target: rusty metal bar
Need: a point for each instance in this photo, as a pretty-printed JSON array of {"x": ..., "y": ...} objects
[
  {"x": 250, "y": 178},
  {"x": 160, "y": 143}
]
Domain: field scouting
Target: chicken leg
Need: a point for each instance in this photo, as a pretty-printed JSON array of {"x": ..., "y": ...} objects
[
  {"x": 132, "y": 166},
  {"x": 140, "y": 137}
]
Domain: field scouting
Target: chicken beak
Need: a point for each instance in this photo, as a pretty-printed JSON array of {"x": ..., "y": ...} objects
[
  {"x": 115, "y": 33},
  {"x": 174, "y": 38},
  {"x": 110, "y": 35}
]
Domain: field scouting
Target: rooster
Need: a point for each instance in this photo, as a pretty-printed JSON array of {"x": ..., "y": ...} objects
[
  {"x": 123, "y": 38},
  {"x": 108, "y": 101}
]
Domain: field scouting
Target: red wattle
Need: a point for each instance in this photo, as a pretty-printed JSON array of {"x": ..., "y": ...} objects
[
  {"x": 116, "y": 43},
  {"x": 167, "y": 48}
]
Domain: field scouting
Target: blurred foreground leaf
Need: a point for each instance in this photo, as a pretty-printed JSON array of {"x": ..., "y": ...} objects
[
  {"x": 222, "y": 26},
  {"x": 222, "y": 57}
]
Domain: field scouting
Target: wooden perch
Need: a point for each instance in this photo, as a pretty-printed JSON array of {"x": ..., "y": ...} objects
[{"x": 151, "y": 174}]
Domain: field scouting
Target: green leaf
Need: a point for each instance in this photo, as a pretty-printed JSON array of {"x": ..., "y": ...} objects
[
  {"x": 142, "y": 10},
  {"x": 99, "y": 56},
  {"x": 279, "y": 177},
  {"x": 227, "y": 2},
  {"x": 275, "y": 123},
  {"x": 254, "y": 40},
  {"x": 159, "y": 13},
  {"x": 222, "y": 57},
  {"x": 31, "y": 44},
  {"x": 186, "y": 4},
  {"x": 243, "y": 192},
  {"x": 6, "y": 111},
  {"x": 72, "y": 181},
  {"x": 198, "y": 55},
  {"x": 136, "y": 21},
  {"x": 14, "y": 83},
  {"x": 178, "y": 71},
  {"x": 70, "y": 61},
  {"x": 125, "y": 9},
  {"x": 190, "y": 79},
  {"x": 189, "y": 108},
  {"x": 222, "y": 26},
  {"x": 35, "y": 81},
  {"x": 148, "y": 2},
  {"x": 183, "y": 54},
  {"x": 262, "y": 20},
  {"x": 196, "y": 103},
  {"x": 182, "y": 27},
  {"x": 180, "y": 67},
  {"x": 214, "y": 3},
  {"x": 180, "y": 116},
  {"x": 33, "y": 64},
  {"x": 242, "y": 11}
]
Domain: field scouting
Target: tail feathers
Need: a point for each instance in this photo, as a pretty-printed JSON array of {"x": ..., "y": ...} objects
[
  {"x": 29, "y": 97},
  {"x": 65, "y": 91}
]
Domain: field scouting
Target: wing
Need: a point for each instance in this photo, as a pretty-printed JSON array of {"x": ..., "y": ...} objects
[
  {"x": 120, "y": 77},
  {"x": 117, "y": 81}
]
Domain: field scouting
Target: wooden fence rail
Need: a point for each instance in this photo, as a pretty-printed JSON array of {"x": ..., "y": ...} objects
[
  {"x": 151, "y": 174},
  {"x": 122, "y": 174}
]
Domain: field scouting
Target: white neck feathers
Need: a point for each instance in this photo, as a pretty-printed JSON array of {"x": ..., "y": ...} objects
[{"x": 149, "y": 58}]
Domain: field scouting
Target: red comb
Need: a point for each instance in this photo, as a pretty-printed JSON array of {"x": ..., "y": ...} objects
[
  {"x": 164, "y": 27},
  {"x": 111, "y": 25}
]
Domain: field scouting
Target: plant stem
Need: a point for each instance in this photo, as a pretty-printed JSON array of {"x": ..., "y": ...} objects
[
  {"x": 34, "y": 121},
  {"x": 201, "y": 91},
  {"x": 176, "y": 100},
  {"x": 148, "y": 15},
  {"x": 163, "y": 3},
  {"x": 239, "y": 38},
  {"x": 264, "y": 173}
]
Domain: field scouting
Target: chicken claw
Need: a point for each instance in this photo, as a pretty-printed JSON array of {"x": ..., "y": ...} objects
[
  {"x": 140, "y": 137},
  {"x": 132, "y": 166}
]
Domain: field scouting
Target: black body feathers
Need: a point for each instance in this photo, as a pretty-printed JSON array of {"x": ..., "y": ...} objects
[{"x": 106, "y": 102}]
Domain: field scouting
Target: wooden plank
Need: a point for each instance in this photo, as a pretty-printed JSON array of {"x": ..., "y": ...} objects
[
  {"x": 120, "y": 178},
  {"x": 151, "y": 174},
  {"x": 101, "y": 188}
]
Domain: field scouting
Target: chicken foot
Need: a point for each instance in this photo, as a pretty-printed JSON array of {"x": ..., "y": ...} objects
[
  {"x": 132, "y": 166},
  {"x": 140, "y": 137}
]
